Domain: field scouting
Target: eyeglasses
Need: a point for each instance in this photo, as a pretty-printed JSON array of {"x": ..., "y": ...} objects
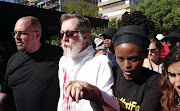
[
  {"x": 21, "y": 33},
  {"x": 68, "y": 33},
  {"x": 152, "y": 50}
]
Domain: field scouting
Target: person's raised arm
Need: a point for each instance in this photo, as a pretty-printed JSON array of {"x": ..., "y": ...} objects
[{"x": 78, "y": 90}]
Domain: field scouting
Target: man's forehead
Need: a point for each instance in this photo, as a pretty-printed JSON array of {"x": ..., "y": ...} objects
[
  {"x": 22, "y": 24},
  {"x": 69, "y": 25}
]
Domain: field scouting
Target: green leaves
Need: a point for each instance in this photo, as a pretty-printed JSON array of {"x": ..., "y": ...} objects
[
  {"x": 80, "y": 7},
  {"x": 113, "y": 23},
  {"x": 165, "y": 14}
]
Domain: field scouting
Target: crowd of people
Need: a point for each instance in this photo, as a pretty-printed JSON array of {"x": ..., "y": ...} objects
[{"x": 135, "y": 72}]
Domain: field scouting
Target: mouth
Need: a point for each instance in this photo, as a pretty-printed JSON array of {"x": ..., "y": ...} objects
[
  {"x": 150, "y": 56},
  {"x": 66, "y": 45},
  {"x": 19, "y": 43},
  {"x": 106, "y": 44},
  {"x": 127, "y": 72},
  {"x": 178, "y": 89}
]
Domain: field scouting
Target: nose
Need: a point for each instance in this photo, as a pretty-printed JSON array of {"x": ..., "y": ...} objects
[
  {"x": 150, "y": 52},
  {"x": 127, "y": 64},
  {"x": 17, "y": 35}
]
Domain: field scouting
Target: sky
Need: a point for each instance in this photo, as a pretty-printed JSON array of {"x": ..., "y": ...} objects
[{"x": 12, "y": 1}]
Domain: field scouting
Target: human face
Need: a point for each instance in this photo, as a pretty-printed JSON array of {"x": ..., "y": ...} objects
[
  {"x": 25, "y": 36},
  {"x": 130, "y": 59},
  {"x": 153, "y": 52},
  {"x": 107, "y": 43},
  {"x": 174, "y": 75},
  {"x": 75, "y": 48},
  {"x": 71, "y": 43}
]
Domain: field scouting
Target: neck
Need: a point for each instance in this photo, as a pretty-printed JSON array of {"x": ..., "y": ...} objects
[
  {"x": 156, "y": 61},
  {"x": 35, "y": 49}
]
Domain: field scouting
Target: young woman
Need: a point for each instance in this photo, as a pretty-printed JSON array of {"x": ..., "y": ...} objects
[
  {"x": 170, "y": 81},
  {"x": 154, "y": 61},
  {"x": 136, "y": 88}
]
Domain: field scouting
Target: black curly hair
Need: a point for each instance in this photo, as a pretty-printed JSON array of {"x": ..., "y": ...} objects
[{"x": 136, "y": 18}]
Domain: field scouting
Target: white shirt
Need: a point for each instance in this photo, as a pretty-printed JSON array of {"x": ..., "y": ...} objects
[{"x": 95, "y": 70}]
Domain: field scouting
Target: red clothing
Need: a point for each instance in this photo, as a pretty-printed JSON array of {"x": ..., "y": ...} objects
[{"x": 165, "y": 50}]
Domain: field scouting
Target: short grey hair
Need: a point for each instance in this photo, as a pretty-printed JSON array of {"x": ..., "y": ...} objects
[{"x": 83, "y": 23}]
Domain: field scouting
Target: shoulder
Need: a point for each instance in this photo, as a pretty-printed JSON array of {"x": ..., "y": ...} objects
[
  {"x": 102, "y": 58},
  {"x": 151, "y": 76},
  {"x": 146, "y": 62},
  {"x": 102, "y": 62},
  {"x": 16, "y": 55},
  {"x": 165, "y": 45}
]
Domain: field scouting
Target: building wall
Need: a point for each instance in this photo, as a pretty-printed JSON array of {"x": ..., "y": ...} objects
[{"x": 109, "y": 9}]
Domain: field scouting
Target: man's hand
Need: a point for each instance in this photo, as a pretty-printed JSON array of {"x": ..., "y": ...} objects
[
  {"x": 2, "y": 98},
  {"x": 78, "y": 90}
]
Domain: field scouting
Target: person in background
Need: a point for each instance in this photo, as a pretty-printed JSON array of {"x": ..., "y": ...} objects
[
  {"x": 177, "y": 43},
  {"x": 31, "y": 79},
  {"x": 98, "y": 43},
  {"x": 109, "y": 46},
  {"x": 154, "y": 61},
  {"x": 165, "y": 50},
  {"x": 170, "y": 81},
  {"x": 80, "y": 63}
]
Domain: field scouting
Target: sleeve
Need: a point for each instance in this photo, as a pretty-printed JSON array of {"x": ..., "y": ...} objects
[
  {"x": 151, "y": 101},
  {"x": 106, "y": 81},
  {"x": 5, "y": 86}
]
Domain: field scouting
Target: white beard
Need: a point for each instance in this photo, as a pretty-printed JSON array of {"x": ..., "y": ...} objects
[{"x": 72, "y": 49}]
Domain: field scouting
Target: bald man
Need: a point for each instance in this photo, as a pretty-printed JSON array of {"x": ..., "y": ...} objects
[{"x": 31, "y": 80}]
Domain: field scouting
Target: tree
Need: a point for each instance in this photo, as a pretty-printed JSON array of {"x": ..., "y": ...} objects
[
  {"x": 80, "y": 7},
  {"x": 113, "y": 23},
  {"x": 164, "y": 13}
]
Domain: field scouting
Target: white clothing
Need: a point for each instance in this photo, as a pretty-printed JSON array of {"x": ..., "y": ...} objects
[
  {"x": 159, "y": 69},
  {"x": 92, "y": 69},
  {"x": 148, "y": 64}
]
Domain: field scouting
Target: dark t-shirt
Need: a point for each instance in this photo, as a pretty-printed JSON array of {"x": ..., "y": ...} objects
[
  {"x": 111, "y": 57},
  {"x": 32, "y": 80},
  {"x": 139, "y": 94}
]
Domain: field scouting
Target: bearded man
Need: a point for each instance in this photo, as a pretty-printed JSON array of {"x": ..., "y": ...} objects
[{"x": 79, "y": 63}]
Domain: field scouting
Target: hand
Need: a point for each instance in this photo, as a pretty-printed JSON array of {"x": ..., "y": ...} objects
[
  {"x": 2, "y": 98},
  {"x": 100, "y": 52},
  {"x": 78, "y": 90}
]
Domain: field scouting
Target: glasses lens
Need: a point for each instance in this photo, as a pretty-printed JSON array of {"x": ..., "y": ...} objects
[
  {"x": 61, "y": 34},
  {"x": 153, "y": 50},
  {"x": 13, "y": 33},
  {"x": 69, "y": 34}
]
